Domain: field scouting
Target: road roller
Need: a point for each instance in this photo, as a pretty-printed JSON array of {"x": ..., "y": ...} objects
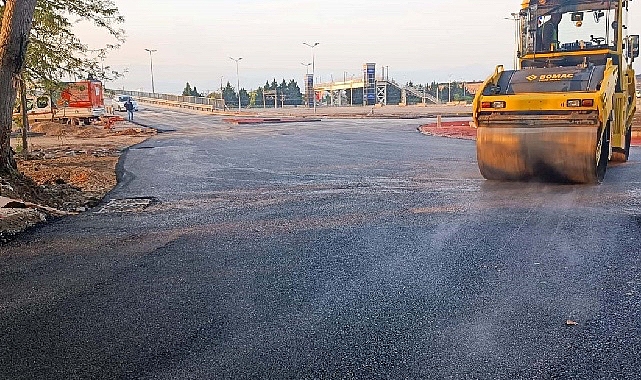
[{"x": 565, "y": 111}]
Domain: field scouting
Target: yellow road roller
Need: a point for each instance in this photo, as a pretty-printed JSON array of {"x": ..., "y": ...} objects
[{"x": 567, "y": 109}]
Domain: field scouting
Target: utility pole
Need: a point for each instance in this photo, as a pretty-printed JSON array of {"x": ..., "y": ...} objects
[
  {"x": 237, "y": 78},
  {"x": 151, "y": 65}
]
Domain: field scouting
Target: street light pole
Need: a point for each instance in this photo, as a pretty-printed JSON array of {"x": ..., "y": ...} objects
[
  {"x": 312, "y": 46},
  {"x": 151, "y": 65},
  {"x": 237, "y": 78},
  {"x": 306, "y": 67},
  {"x": 222, "y": 96},
  {"x": 515, "y": 17},
  {"x": 351, "y": 91}
]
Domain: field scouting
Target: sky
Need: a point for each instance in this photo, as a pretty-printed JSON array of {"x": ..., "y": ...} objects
[{"x": 418, "y": 41}]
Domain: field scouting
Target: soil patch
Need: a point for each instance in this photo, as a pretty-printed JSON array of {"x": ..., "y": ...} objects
[
  {"x": 454, "y": 129},
  {"x": 466, "y": 130},
  {"x": 68, "y": 169}
]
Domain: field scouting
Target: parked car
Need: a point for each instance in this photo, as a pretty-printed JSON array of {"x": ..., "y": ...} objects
[{"x": 120, "y": 100}]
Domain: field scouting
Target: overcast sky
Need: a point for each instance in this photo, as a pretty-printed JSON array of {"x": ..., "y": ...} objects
[{"x": 420, "y": 41}]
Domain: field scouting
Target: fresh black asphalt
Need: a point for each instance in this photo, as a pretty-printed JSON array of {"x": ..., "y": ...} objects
[{"x": 343, "y": 249}]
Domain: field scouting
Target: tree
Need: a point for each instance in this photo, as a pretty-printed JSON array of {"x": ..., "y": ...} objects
[
  {"x": 289, "y": 90},
  {"x": 229, "y": 94},
  {"x": 56, "y": 52},
  {"x": 187, "y": 91},
  {"x": 258, "y": 102},
  {"x": 53, "y": 50},
  {"x": 244, "y": 98},
  {"x": 294, "y": 95},
  {"x": 17, "y": 18}
]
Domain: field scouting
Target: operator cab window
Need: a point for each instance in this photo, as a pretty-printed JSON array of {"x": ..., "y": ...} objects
[
  {"x": 586, "y": 30},
  {"x": 559, "y": 29}
]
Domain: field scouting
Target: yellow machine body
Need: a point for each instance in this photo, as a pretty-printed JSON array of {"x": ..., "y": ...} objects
[{"x": 567, "y": 109}]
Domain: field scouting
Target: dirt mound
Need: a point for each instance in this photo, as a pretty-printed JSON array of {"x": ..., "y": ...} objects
[
  {"x": 89, "y": 132},
  {"x": 85, "y": 172},
  {"x": 49, "y": 128},
  {"x": 129, "y": 132}
]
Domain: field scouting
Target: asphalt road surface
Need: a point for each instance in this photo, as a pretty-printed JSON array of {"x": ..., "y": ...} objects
[{"x": 349, "y": 249}]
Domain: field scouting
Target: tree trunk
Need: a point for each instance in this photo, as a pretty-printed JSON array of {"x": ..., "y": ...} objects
[
  {"x": 25, "y": 116},
  {"x": 14, "y": 36}
]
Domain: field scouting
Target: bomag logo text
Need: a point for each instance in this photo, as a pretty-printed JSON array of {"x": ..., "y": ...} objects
[{"x": 555, "y": 77}]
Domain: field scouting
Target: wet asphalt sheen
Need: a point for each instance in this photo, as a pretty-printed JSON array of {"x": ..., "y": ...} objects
[{"x": 349, "y": 249}]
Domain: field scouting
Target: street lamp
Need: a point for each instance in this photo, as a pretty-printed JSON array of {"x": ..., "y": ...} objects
[
  {"x": 222, "y": 94},
  {"x": 306, "y": 67},
  {"x": 351, "y": 91},
  {"x": 237, "y": 78},
  {"x": 312, "y": 46},
  {"x": 515, "y": 17},
  {"x": 151, "y": 64}
]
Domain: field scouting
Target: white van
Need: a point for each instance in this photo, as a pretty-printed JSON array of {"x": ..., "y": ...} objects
[{"x": 120, "y": 100}]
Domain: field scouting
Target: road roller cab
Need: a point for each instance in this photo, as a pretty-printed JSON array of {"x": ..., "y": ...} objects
[{"x": 567, "y": 109}]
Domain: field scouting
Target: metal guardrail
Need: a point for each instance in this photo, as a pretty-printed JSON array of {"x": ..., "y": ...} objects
[{"x": 194, "y": 102}]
